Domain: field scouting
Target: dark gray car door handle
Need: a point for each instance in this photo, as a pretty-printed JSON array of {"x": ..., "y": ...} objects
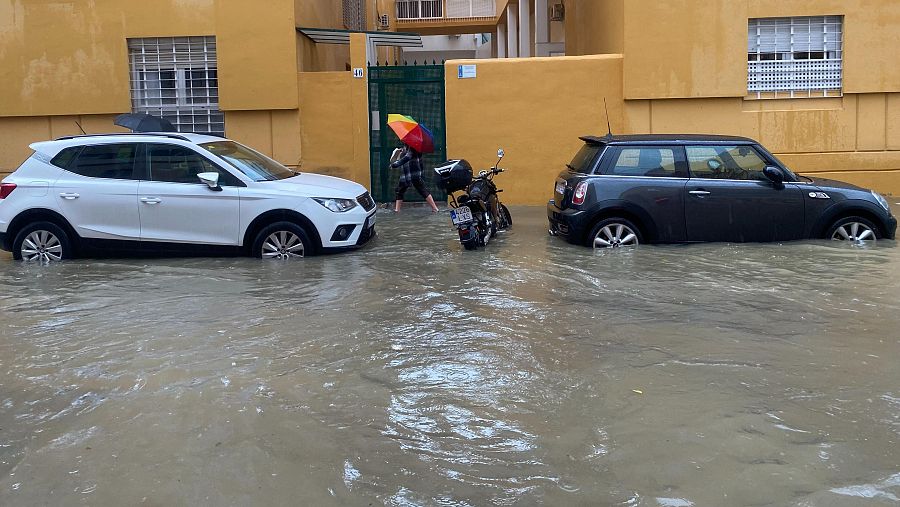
[{"x": 699, "y": 192}]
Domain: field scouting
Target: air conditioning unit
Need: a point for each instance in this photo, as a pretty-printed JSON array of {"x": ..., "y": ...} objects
[
  {"x": 384, "y": 22},
  {"x": 558, "y": 12}
]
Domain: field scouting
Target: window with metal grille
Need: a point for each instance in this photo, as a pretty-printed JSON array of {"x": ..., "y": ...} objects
[
  {"x": 177, "y": 78},
  {"x": 420, "y": 9},
  {"x": 795, "y": 57},
  {"x": 355, "y": 15}
]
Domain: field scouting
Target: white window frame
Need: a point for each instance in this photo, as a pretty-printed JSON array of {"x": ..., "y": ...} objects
[
  {"x": 795, "y": 57},
  {"x": 188, "y": 107}
]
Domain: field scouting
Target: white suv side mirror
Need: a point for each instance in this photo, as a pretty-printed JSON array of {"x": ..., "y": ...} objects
[{"x": 211, "y": 179}]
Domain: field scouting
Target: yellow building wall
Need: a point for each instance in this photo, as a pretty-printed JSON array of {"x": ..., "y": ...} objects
[
  {"x": 54, "y": 73},
  {"x": 321, "y": 57},
  {"x": 257, "y": 54},
  {"x": 80, "y": 65},
  {"x": 334, "y": 120},
  {"x": 535, "y": 109},
  {"x": 698, "y": 49},
  {"x": 594, "y": 27},
  {"x": 327, "y": 134}
]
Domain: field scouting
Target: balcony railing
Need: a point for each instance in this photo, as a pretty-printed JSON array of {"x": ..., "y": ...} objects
[
  {"x": 420, "y": 9},
  {"x": 415, "y": 10}
]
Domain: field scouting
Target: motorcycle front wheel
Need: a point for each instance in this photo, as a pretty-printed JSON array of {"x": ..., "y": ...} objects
[{"x": 505, "y": 217}]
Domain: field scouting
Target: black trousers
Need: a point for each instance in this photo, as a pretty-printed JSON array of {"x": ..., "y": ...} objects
[{"x": 417, "y": 183}]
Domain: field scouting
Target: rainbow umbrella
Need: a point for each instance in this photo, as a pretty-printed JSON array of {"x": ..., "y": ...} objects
[{"x": 412, "y": 133}]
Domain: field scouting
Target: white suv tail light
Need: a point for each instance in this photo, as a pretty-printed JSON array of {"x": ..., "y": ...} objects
[
  {"x": 6, "y": 189},
  {"x": 580, "y": 193}
]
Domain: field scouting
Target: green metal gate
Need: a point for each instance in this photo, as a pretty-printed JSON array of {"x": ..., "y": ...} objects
[{"x": 413, "y": 90}]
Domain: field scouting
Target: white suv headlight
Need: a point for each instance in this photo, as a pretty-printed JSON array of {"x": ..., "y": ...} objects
[
  {"x": 336, "y": 205},
  {"x": 881, "y": 200}
]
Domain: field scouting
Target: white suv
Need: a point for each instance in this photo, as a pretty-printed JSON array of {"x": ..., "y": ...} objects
[{"x": 170, "y": 192}]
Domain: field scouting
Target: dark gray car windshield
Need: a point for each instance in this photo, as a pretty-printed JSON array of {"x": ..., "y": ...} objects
[
  {"x": 253, "y": 164},
  {"x": 585, "y": 159}
]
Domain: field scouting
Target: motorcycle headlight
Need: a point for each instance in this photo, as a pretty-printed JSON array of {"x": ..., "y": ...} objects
[
  {"x": 881, "y": 200},
  {"x": 336, "y": 205}
]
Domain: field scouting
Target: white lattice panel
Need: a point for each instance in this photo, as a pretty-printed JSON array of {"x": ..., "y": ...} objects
[
  {"x": 471, "y": 8},
  {"x": 177, "y": 78},
  {"x": 795, "y": 57}
]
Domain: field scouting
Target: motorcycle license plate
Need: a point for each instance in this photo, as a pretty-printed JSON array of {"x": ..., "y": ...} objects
[{"x": 461, "y": 215}]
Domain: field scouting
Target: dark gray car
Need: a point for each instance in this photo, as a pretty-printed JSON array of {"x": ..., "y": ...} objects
[{"x": 626, "y": 190}]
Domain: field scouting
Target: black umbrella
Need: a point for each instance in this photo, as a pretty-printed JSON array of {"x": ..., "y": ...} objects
[{"x": 142, "y": 122}]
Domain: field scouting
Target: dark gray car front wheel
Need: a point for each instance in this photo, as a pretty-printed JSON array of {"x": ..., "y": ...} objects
[
  {"x": 614, "y": 233},
  {"x": 855, "y": 229}
]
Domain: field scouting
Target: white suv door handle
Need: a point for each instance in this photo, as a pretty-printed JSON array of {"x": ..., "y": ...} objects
[
  {"x": 151, "y": 200},
  {"x": 69, "y": 195},
  {"x": 698, "y": 192}
]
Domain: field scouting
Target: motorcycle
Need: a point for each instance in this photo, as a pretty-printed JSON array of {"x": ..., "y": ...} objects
[{"x": 477, "y": 212}]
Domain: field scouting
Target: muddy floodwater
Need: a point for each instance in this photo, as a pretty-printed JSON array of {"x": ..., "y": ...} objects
[{"x": 413, "y": 373}]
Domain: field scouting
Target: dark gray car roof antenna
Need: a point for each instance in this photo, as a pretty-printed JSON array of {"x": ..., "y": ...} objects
[{"x": 608, "y": 127}]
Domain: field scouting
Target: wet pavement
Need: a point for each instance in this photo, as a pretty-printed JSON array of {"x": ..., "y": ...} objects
[{"x": 413, "y": 373}]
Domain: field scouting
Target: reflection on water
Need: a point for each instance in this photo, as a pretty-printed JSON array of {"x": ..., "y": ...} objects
[{"x": 413, "y": 373}]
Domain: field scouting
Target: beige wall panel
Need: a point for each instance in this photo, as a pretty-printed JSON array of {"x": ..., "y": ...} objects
[
  {"x": 15, "y": 136},
  {"x": 66, "y": 126},
  {"x": 253, "y": 128},
  {"x": 885, "y": 182},
  {"x": 814, "y": 103},
  {"x": 637, "y": 117},
  {"x": 360, "y": 171},
  {"x": 876, "y": 170},
  {"x": 871, "y": 122},
  {"x": 17, "y": 132},
  {"x": 257, "y": 53},
  {"x": 801, "y": 131},
  {"x": 594, "y": 27},
  {"x": 876, "y": 161},
  {"x": 327, "y": 133},
  {"x": 696, "y": 116},
  {"x": 99, "y": 124},
  {"x": 61, "y": 57},
  {"x": 541, "y": 106},
  {"x": 286, "y": 136},
  {"x": 892, "y": 121},
  {"x": 685, "y": 49}
]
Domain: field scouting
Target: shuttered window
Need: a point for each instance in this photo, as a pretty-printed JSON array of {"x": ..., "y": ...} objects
[
  {"x": 795, "y": 57},
  {"x": 177, "y": 78},
  {"x": 355, "y": 15}
]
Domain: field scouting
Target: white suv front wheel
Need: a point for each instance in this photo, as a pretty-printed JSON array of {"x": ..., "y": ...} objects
[
  {"x": 282, "y": 241},
  {"x": 42, "y": 242}
]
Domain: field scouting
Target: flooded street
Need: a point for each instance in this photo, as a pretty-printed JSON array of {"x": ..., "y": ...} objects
[{"x": 414, "y": 373}]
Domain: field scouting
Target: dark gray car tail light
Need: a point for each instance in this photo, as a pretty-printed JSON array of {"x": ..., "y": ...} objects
[
  {"x": 6, "y": 189},
  {"x": 580, "y": 193}
]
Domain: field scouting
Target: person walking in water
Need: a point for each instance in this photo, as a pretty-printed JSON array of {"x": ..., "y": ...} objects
[{"x": 411, "y": 162}]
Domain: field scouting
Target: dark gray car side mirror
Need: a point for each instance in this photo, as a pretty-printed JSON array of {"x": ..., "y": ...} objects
[{"x": 775, "y": 175}]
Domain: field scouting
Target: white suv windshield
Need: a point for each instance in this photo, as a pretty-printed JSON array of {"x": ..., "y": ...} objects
[{"x": 253, "y": 164}]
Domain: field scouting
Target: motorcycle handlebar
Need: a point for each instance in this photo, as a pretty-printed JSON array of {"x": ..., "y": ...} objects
[{"x": 493, "y": 171}]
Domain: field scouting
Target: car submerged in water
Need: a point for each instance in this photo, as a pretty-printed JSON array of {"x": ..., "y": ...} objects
[
  {"x": 170, "y": 192},
  {"x": 631, "y": 189}
]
